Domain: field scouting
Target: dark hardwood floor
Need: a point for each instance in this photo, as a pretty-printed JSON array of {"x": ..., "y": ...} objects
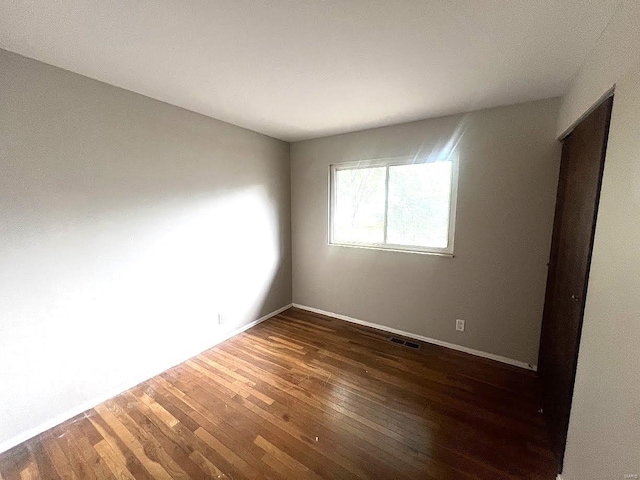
[{"x": 306, "y": 396}]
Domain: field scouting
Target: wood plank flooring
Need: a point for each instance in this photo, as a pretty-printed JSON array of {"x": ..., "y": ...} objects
[{"x": 305, "y": 396}]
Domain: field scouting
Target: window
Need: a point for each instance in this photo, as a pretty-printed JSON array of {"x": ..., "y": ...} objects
[{"x": 394, "y": 204}]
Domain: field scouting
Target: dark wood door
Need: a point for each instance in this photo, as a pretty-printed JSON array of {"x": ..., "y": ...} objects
[{"x": 583, "y": 153}]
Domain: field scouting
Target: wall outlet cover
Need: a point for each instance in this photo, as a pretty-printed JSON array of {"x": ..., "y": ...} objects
[{"x": 460, "y": 325}]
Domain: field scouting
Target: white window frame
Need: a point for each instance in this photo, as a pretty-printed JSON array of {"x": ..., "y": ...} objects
[{"x": 391, "y": 162}]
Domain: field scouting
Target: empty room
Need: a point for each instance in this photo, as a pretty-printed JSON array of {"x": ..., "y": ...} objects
[{"x": 316, "y": 239}]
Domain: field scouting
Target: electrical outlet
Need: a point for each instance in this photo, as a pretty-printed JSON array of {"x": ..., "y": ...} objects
[
  {"x": 220, "y": 319},
  {"x": 460, "y": 325}
]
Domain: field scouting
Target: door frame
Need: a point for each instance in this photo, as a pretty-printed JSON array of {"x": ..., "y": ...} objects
[{"x": 558, "y": 437}]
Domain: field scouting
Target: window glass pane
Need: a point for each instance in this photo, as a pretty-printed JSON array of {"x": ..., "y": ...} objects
[
  {"x": 359, "y": 205},
  {"x": 419, "y": 198}
]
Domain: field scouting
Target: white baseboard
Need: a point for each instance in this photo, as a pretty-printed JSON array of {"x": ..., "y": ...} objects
[
  {"x": 57, "y": 420},
  {"x": 453, "y": 346}
]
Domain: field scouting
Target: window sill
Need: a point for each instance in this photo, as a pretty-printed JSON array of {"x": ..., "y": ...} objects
[{"x": 397, "y": 250}]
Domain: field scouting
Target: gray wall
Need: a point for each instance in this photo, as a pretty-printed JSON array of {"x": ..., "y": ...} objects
[
  {"x": 126, "y": 226},
  {"x": 604, "y": 429},
  {"x": 509, "y": 160}
]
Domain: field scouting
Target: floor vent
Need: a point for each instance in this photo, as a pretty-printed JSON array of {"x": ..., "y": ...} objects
[{"x": 406, "y": 343}]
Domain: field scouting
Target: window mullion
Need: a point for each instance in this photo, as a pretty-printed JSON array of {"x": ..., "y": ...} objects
[{"x": 386, "y": 202}]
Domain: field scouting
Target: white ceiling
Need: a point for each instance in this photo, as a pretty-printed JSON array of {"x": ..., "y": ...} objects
[{"x": 297, "y": 69}]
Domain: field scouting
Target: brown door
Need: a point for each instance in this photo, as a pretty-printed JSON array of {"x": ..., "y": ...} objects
[{"x": 583, "y": 153}]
